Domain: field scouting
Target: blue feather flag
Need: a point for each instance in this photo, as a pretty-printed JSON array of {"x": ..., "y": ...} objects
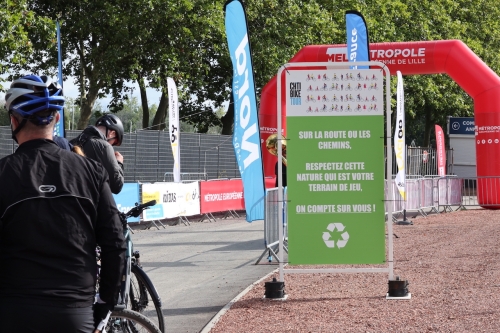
[
  {"x": 246, "y": 133},
  {"x": 357, "y": 38}
]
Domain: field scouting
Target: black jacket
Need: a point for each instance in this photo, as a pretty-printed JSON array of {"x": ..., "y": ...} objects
[
  {"x": 95, "y": 146},
  {"x": 283, "y": 174},
  {"x": 55, "y": 207}
]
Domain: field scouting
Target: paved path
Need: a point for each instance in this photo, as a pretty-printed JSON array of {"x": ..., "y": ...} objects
[{"x": 198, "y": 269}]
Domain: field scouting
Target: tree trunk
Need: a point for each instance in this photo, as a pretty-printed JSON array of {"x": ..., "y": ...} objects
[
  {"x": 228, "y": 119},
  {"x": 87, "y": 99},
  {"x": 144, "y": 102},
  {"x": 428, "y": 126},
  {"x": 161, "y": 113},
  {"x": 82, "y": 92},
  {"x": 87, "y": 106}
]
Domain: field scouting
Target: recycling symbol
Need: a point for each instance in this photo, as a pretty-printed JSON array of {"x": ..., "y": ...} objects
[{"x": 335, "y": 229}]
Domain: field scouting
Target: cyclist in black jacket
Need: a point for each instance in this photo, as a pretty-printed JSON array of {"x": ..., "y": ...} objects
[
  {"x": 55, "y": 207},
  {"x": 97, "y": 141}
]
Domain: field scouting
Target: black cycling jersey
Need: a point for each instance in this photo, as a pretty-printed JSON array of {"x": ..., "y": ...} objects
[
  {"x": 95, "y": 146},
  {"x": 55, "y": 207}
]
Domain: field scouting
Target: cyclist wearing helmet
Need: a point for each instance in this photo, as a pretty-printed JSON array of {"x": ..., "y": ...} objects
[
  {"x": 55, "y": 208},
  {"x": 62, "y": 142},
  {"x": 97, "y": 141}
]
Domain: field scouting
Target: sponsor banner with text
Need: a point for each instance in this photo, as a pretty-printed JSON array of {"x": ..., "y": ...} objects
[
  {"x": 173, "y": 200},
  {"x": 221, "y": 195},
  {"x": 127, "y": 198},
  {"x": 441, "y": 151},
  {"x": 399, "y": 138},
  {"x": 173, "y": 127}
]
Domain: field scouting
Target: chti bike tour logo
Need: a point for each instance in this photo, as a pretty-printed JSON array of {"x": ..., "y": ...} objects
[{"x": 295, "y": 98}]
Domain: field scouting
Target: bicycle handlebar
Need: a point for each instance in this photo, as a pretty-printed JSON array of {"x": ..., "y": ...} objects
[{"x": 137, "y": 210}]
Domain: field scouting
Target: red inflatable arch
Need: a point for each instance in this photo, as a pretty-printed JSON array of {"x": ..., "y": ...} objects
[{"x": 452, "y": 57}]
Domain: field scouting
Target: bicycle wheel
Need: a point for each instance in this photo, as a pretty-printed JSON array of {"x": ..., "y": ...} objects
[
  {"x": 128, "y": 321},
  {"x": 144, "y": 298}
]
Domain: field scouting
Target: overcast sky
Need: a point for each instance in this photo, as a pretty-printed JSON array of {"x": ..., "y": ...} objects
[{"x": 71, "y": 90}]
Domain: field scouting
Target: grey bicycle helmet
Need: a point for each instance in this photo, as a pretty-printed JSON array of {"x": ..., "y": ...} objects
[{"x": 112, "y": 122}]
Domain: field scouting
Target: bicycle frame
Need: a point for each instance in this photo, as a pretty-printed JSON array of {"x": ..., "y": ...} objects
[{"x": 123, "y": 297}]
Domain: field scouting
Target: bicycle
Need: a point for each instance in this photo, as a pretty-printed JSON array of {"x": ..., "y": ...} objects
[
  {"x": 136, "y": 290},
  {"x": 143, "y": 295}
]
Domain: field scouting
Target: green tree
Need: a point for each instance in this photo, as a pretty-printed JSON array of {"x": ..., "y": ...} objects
[
  {"x": 131, "y": 114},
  {"x": 108, "y": 43},
  {"x": 100, "y": 40},
  {"x": 71, "y": 113},
  {"x": 187, "y": 47},
  {"x": 429, "y": 99},
  {"x": 198, "y": 59},
  {"x": 17, "y": 22},
  {"x": 4, "y": 115},
  {"x": 277, "y": 30}
]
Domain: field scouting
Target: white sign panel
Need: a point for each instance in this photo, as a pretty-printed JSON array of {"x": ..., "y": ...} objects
[{"x": 347, "y": 92}]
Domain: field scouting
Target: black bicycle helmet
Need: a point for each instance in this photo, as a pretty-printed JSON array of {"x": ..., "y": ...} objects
[
  {"x": 112, "y": 122},
  {"x": 32, "y": 94}
]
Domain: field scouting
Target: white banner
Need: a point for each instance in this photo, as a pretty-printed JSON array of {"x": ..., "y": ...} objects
[
  {"x": 173, "y": 200},
  {"x": 399, "y": 138},
  {"x": 340, "y": 92},
  {"x": 173, "y": 127}
]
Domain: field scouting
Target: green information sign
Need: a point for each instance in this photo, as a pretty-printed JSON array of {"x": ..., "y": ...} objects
[{"x": 335, "y": 168}]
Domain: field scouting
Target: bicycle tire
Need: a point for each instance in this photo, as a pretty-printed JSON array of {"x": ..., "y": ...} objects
[
  {"x": 143, "y": 294},
  {"x": 128, "y": 321}
]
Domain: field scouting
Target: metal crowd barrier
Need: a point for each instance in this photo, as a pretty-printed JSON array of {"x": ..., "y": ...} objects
[
  {"x": 168, "y": 177},
  {"x": 271, "y": 224},
  {"x": 460, "y": 193},
  {"x": 450, "y": 192},
  {"x": 428, "y": 191},
  {"x": 413, "y": 198},
  {"x": 445, "y": 194}
]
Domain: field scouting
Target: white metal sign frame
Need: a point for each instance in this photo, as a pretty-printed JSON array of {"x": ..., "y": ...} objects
[{"x": 332, "y": 65}]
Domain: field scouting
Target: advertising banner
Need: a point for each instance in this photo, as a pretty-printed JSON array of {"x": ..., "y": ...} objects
[
  {"x": 173, "y": 200},
  {"x": 399, "y": 138},
  {"x": 246, "y": 137},
  {"x": 441, "y": 153},
  {"x": 221, "y": 195},
  {"x": 173, "y": 127},
  {"x": 127, "y": 198},
  {"x": 357, "y": 38},
  {"x": 335, "y": 127}
]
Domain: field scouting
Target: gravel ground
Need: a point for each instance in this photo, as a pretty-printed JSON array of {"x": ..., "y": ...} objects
[{"x": 451, "y": 261}]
